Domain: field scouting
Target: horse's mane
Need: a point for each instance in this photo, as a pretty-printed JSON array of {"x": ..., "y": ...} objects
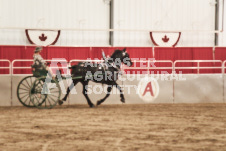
[{"x": 115, "y": 53}]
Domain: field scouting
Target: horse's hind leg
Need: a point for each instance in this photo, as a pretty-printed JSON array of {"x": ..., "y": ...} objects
[
  {"x": 60, "y": 102},
  {"x": 108, "y": 94},
  {"x": 85, "y": 84}
]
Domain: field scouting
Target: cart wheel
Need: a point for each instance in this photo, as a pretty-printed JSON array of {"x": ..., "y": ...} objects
[
  {"x": 45, "y": 93},
  {"x": 23, "y": 90}
]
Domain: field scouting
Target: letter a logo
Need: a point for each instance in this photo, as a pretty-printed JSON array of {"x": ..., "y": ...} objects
[{"x": 148, "y": 89}]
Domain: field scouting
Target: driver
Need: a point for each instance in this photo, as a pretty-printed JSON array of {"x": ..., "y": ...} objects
[{"x": 39, "y": 62}]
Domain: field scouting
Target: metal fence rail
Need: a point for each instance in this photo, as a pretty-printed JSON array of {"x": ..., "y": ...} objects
[
  {"x": 198, "y": 64},
  {"x": 8, "y": 67},
  {"x": 31, "y": 61},
  {"x": 150, "y": 65},
  {"x": 173, "y": 66}
]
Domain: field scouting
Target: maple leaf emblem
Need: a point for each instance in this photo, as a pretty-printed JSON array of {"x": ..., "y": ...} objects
[
  {"x": 165, "y": 39},
  {"x": 43, "y": 37}
]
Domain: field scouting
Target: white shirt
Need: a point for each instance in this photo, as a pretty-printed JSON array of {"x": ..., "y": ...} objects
[{"x": 38, "y": 60}]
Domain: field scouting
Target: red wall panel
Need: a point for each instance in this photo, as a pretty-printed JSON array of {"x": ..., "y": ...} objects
[
  {"x": 220, "y": 53},
  {"x": 69, "y": 53}
]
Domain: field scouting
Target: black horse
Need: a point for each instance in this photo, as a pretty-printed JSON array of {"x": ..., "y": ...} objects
[{"x": 105, "y": 73}]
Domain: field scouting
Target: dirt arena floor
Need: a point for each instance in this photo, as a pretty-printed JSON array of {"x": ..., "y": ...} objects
[{"x": 163, "y": 127}]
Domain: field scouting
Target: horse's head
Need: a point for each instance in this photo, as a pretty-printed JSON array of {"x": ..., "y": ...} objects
[
  {"x": 123, "y": 56},
  {"x": 126, "y": 59}
]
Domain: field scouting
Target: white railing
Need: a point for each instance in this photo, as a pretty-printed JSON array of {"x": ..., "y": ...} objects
[
  {"x": 223, "y": 67},
  {"x": 31, "y": 60},
  {"x": 150, "y": 65},
  {"x": 4, "y": 67},
  {"x": 20, "y": 67},
  {"x": 198, "y": 64},
  {"x": 82, "y": 60},
  {"x": 112, "y": 30},
  {"x": 223, "y": 73}
]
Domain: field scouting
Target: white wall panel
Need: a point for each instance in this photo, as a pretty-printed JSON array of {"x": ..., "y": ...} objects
[
  {"x": 79, "y": 14},
  {"x": 94, "y": 14},
  {"x": 204, "y": 88},
  {"x": 164, "y": 15}
]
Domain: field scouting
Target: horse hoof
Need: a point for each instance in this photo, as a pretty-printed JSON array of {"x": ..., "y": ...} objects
[
  {"x": 98, "y": 102},
  {"x": 92, "y": 106},
  {"x": 60, "y": 102},
  {"x": 123, "y": 100}
]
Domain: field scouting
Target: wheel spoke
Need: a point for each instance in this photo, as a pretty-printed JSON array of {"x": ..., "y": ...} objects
[
  {"x": 26, "y": 97},
  {"x": 26, "y": 100},
  {"x": 37, "y": 99},
  {"x": 39, "y": 87},
  {"x": 39, "y": 82},
  {"x": 23, "y": 92},
  {"x": 57, "y": 91},
  {"x": 49, "y": 101},
  {"x": 55, "y": 95},
  {"x": 25, "y": 86},
  {"x": 24, "y": 89},
  {"x": 27, "y": 83},
  {"x": 52, "y": 99},
  {"x": 31, "y": 80},
  {"x": 23, "y": 97},
  {"x": 29, "y": 103}
]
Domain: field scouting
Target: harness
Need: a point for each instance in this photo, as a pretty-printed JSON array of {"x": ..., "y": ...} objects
[
  {"x": 104, "y": 66},
  {"x": 108, "y": 63}
]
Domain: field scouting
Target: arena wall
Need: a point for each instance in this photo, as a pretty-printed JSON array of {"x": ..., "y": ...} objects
[
  {"x": 204, "y": 88},
  {"x": 224, "y": 96},
  {"x": 199, "y": 89},
  {"x": 5, "y": 93}
]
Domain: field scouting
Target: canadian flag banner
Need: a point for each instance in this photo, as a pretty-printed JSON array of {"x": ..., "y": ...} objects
[
  {"x": 42, "y": 37},
  {"x": 165, "y": 39}
]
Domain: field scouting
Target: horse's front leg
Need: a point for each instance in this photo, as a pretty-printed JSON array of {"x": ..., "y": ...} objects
[
  {"x": 121, "y": 92},
  {"x": 107, "y": 95},
  {"x": 85, "y": 84}
]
